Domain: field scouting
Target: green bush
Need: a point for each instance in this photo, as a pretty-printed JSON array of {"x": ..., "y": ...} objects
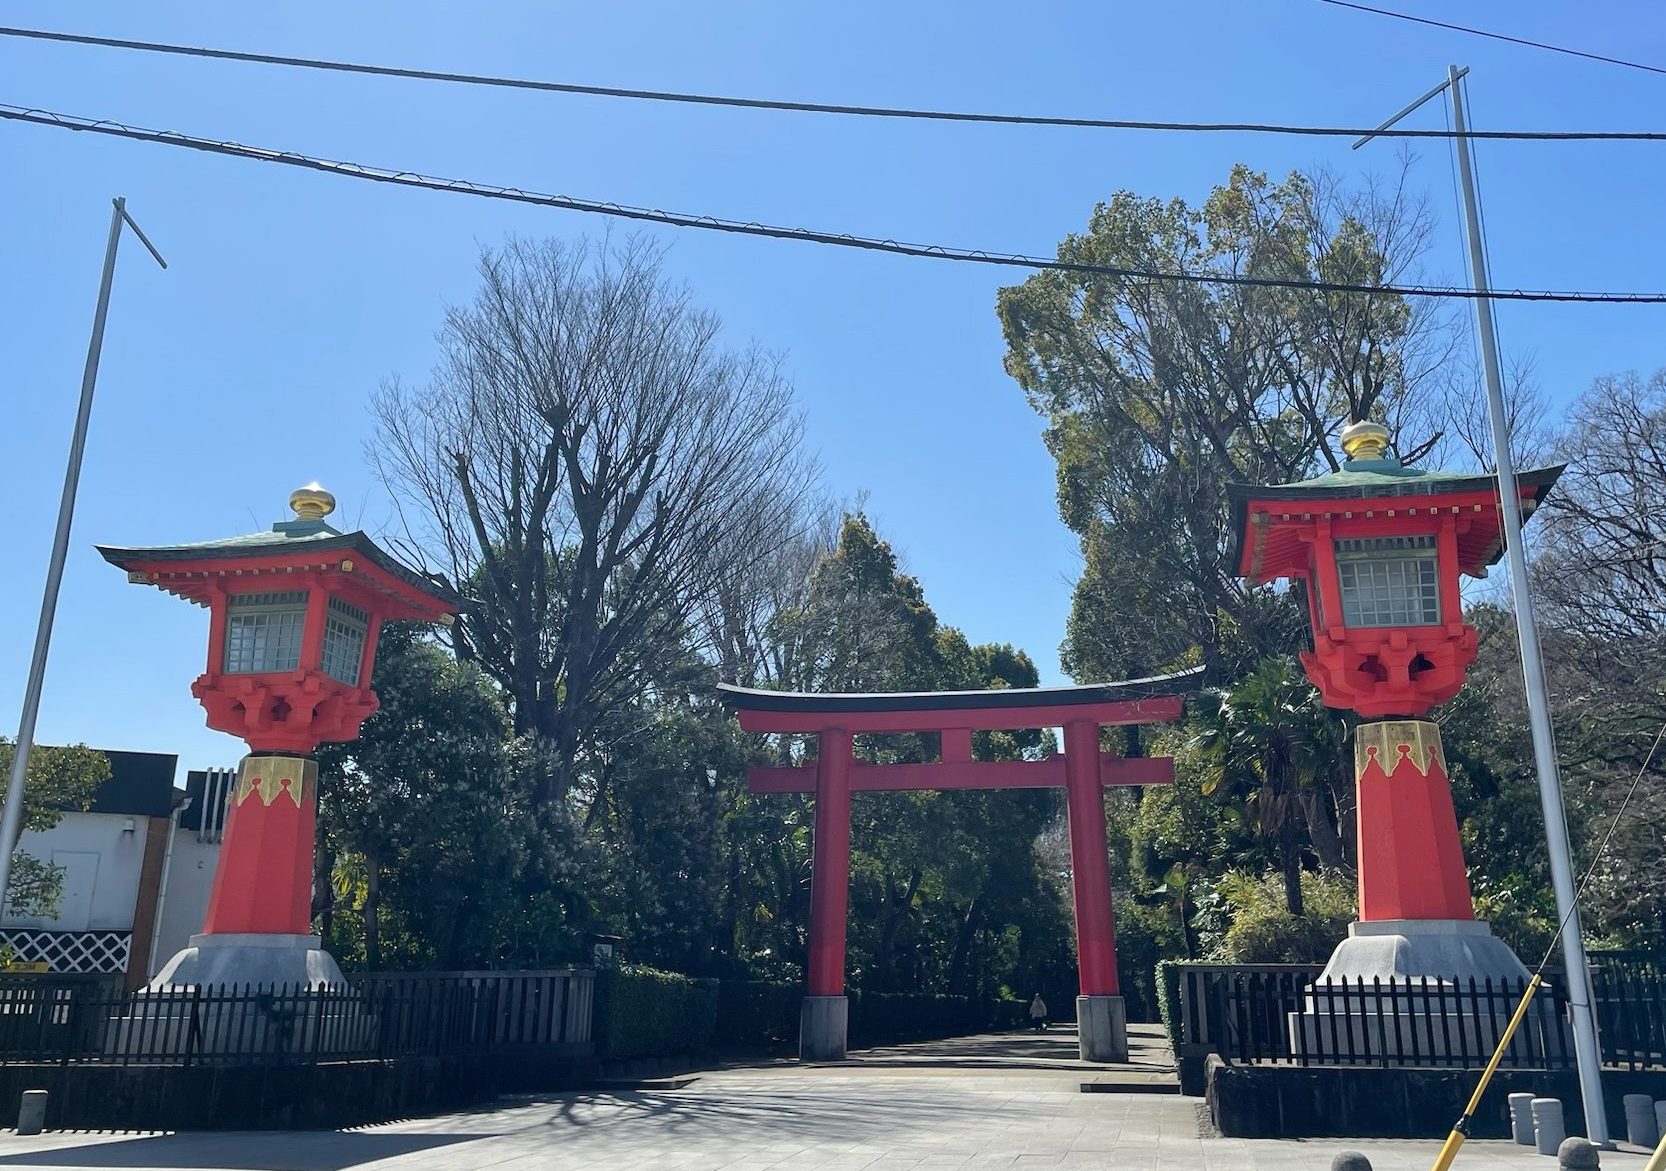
[
  {"x": 879, "y": 1017},
  {"x": 1168, "y": 1000},
  {"x": 752, "y": 1013},
  {"x": 642, "y": 1012},
  {"x": 756, "y": 1012},
  {"x": 1263, "y": 930}
]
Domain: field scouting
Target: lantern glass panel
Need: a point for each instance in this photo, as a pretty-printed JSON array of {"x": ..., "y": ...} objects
[
  {"x": 263, "y": 631},
  {"x": 1389, "y": 581},
  {"x": 344, "y": 635}
]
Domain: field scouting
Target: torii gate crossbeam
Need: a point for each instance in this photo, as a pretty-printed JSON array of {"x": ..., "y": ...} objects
[{"x": 1083, "y": 772}]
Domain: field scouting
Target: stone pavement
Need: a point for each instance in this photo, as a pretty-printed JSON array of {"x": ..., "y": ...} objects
[{"x": 1011, "y": 1101}]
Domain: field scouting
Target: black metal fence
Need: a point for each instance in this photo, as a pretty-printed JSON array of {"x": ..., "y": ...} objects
[
  {"x": 70, "y": 1022},
  {"x": 1267, "y": 1013},
  {"x": 1630, "y": 1003}
]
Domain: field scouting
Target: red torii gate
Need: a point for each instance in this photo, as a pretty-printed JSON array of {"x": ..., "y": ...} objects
[{"x": 1082, "y": 772}]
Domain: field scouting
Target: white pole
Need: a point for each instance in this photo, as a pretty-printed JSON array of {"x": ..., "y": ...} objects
[
  {"x": 11, "y": 822},
  {"x": 1586, "y": 1050}
]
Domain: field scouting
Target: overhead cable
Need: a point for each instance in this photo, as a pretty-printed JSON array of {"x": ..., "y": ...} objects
[
  {"x": 1481, "y": 32},
  {"x": 651, "y": 95},
  {"x": 837, "y": 239}
]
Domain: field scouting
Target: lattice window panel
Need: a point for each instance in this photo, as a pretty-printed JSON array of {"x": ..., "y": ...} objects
[
  {"x": 344, "y": 636},
  {"x": 71, "y": 951}
]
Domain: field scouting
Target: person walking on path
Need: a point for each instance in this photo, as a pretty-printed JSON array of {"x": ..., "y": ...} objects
[{"x": 1038, "y": 1013}]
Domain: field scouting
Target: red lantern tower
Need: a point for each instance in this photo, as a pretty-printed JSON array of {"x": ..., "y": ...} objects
[
  {"x": 294, "y": 615},
  {"x": 1380, "y": 548}
]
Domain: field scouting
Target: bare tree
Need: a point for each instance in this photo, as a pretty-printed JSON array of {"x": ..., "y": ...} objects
[
  {"x": 591, "y": 468},
  {"x": 744, "y": 619},
  {"x": 1527, "y": 415}
]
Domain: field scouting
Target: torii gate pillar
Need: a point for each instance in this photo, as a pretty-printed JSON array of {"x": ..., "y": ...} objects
[
  {"x": 1101, "y": 1015},
  {"x": 823, "y": 1021}
]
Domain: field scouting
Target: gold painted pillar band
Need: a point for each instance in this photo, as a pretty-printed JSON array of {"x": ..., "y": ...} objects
[{"x": 274, "y": 778}]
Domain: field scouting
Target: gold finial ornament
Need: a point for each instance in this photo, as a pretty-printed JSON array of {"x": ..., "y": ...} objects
[
  {"x": 1364, "y": 440},
  {"x": 312, "y": 502}
]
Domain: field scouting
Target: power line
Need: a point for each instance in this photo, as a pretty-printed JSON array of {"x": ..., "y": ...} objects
[
  {"x": 651, "y": 95},
  {"x": 714, "y": 223},
  {"x": 1481, "y": 32}
]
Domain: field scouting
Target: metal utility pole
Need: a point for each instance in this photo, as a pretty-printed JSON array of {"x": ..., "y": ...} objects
[
  {"x": 11, "y": 822},
  {"x": 1586, "y": 1049}
]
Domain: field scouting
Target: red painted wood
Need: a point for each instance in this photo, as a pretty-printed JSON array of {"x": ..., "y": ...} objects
[
  {"x": 1153, "y": 710},
  {"x": 983, "y": 774},
  {"x": 1090, "y": 865},
  {"x": 1411, "y": 861},
  {"x": 830, "y": 867},
  {"x": 1378, "y": 671},
  {"x": 263, "y": 882},
  {"x": 196, "y": 581}
]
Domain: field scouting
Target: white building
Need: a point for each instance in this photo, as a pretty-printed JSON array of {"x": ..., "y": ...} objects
[{"x": 138, "y": 866}]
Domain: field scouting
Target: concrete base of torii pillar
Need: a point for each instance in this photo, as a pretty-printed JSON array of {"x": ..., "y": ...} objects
[{"x": 823, "y": 1028}]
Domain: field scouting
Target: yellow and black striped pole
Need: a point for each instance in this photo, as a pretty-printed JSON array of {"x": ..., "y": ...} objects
[{"x": 1449, "y": 1150}]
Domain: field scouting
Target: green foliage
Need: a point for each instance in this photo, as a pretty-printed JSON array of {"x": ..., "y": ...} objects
[
  {"x": 883, "y": 1017},
  {"x": 427, "y": 825},
  {"x": 1279, "y": 753},
  {"x": 1264, "y": 931},
  {"x": 60, "y": 780},
  {"x": 1167, "y": 978},
  {"x": 756, "y": 1013},
  {"x": 1158, "y": 396},
  {"x": 643, "y": 1012}
]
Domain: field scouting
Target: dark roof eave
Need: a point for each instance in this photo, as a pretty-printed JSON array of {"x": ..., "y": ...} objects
[
  {"x": 357, "y": 542},
  {"x": 1541, "y": 480},
  {"x": 763, "y": 700}
]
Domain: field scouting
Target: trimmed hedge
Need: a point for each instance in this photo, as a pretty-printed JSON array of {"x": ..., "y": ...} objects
[
  {"x": 756, "y": 1012},
  {"x": 643, "y": 1012},
  {"x": 1168, "y": 1000}
]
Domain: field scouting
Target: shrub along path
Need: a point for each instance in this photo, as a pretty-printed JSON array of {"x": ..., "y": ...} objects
[{"x": 1009, "y": 1101}]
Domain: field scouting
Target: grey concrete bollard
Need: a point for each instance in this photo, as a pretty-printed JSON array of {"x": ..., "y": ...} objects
[
  {"x": 31, "y": 1114},
  {"x": 1641, "y": 1127},
  {"x": 1350, "y": 1161},
  {"x": 1548, "y": 1128},
  {"x": 1577, "y": 1154},
  {"x": 1521, "y": 1118}
]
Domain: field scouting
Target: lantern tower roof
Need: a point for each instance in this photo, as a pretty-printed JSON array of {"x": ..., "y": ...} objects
[
  {"x": 1371, "y": 474},
  {"x": 308, "y": 543}
]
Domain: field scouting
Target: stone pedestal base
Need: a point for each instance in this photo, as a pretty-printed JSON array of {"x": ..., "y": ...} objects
[
  {"x": 1418, "y": 970},
  {"x": 1102, "y": 1028},
  {"x": 1434, "y": 949},
  {"x": 240, "y": 998},
  {"x": 265, "y": 960},
  {"x": 822, "y": 1025}
]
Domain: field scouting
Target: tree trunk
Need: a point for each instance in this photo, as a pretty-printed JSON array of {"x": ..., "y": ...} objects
[
  {"x": 1327, "y": 843},
  {"x": 1292, "y": 860},
  {"x": 967, "y": 932},
  {"x": 896, "y": 910},
  {"x": 372, "y": 914}
]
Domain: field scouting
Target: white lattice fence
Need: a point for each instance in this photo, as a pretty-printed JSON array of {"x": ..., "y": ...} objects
[{"x": 70, "y": 951}]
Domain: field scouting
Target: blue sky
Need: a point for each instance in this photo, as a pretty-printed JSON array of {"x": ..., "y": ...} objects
[{"x": 245, "y": 369}]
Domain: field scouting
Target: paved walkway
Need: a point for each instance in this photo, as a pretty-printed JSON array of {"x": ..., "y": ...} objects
[{"x": 985, "y": 1102}]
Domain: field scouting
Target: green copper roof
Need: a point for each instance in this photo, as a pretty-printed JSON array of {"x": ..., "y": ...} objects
[
  {"x": 1388, "y": 477},
  {"x": 1375, "y": 479},
  {"x": 298, "y": 536}
]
